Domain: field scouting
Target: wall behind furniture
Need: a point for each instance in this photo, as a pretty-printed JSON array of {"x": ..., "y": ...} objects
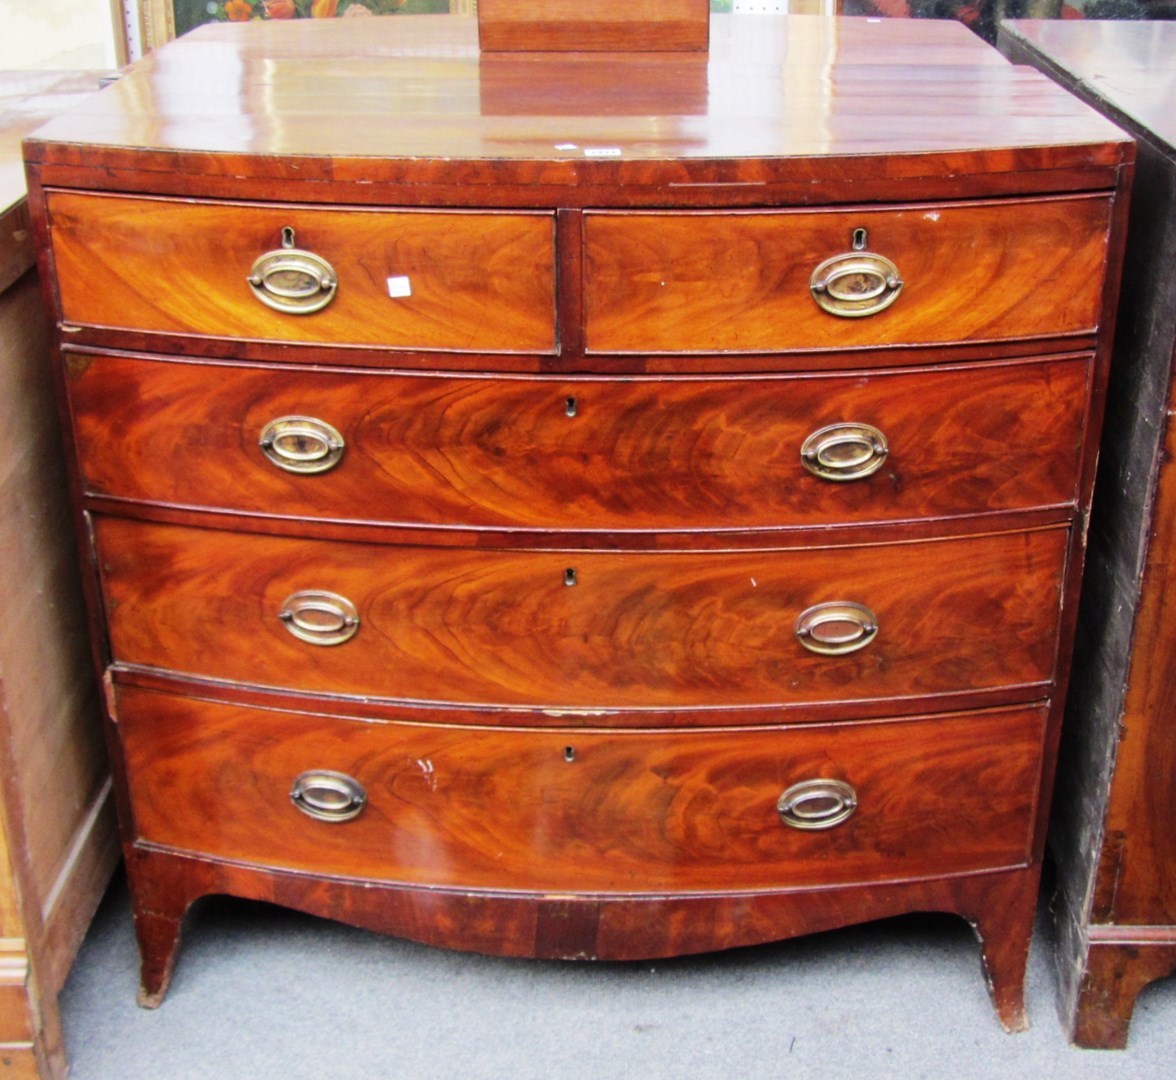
[{"x": 62, "y": 34}]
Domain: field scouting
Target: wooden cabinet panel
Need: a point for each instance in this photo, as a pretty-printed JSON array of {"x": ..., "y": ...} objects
[
  {"x": 58, "y": 838},
  {"x": 653, "y": 630},
  {"x": 586, "y": 812},
  {"x": 1113, "y": 832},
  {"x": 637, "y": 453},
  {"x": 181, "y": 267},
  {"x": 652, "y": 26},
  {"x": 740, "y": 282}
]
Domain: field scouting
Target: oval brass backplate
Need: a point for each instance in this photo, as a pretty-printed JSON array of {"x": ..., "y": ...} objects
[
  {"x": 328, "y": 796},
  {"x": 836, "y": 627},
  {"x": 301, "y": 444},
  {"x": 319, "y": 617},
  {"x": 817, "y": 804},
  {"x": 855, "y": 284},
  {"x": 842, "y": 452},
  {"x": 293, "y": 281}
]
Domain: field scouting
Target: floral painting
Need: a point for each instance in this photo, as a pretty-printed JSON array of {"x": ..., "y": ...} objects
[{"x": 190, "y": 13}]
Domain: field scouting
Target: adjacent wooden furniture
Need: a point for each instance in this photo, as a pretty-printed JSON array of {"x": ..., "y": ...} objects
[
  {"x": 602, "y": 26},
  {"x": 596, "y": 506},
  {"x": 58, "y": 842},
  {"x": 1114, "y": 837}
]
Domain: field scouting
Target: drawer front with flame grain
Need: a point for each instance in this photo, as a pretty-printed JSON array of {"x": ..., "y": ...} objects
[
  {"x": 589, "y": 454},
  {"x": 587, "y": 629},
  {"x": 398, "y": 279},
  {"x": 765, "y": 281},
  {"x": 589, "y": 811}
]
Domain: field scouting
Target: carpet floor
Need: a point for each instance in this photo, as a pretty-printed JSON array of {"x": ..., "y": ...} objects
[{"x": 263, "y": 993}]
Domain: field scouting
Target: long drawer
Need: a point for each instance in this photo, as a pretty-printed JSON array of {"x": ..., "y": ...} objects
[
  {"x": 403, "y": 279},
  {"x": 589, "y": 454},
  {"x": 591, "y": 811},
  {"x": 586, "y": 629},
  {"x": 743, "y": 281}
]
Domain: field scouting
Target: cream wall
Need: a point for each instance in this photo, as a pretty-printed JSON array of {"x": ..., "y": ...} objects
[{"x": 57, "y": 34}]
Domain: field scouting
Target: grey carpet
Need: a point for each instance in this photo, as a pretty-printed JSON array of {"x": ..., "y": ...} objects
[{"x": 263, "y": 993}]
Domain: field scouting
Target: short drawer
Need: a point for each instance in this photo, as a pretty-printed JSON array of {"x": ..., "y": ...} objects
[
  {"x": 582, "y": 454},
  {"x": 633, "y": 812},
  {"x": 404, "y": 279},
  {"x": 612, "y": 630},
  {"x": 742, "y": 282}
]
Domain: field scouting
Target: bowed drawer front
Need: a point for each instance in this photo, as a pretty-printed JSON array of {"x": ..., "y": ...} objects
[
  {"x": 583, "y": 629},
  {"x": 406, "y": 280},
  {"x": 591, "y": 811},
  {"x": 745, "y": 282},
  {"x": 585, "y": 454}
]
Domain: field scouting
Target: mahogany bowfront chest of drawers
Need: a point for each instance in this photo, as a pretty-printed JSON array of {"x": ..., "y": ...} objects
[{"x": 584, "y": 506}]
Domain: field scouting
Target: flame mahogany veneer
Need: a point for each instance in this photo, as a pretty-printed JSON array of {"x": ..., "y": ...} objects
[{"x": 574, "y": 385}]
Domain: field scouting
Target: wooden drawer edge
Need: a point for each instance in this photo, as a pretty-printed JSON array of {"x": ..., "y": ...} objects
[
  {"x": 637, "y": 897},
  {"x": 485, "y": 714}
]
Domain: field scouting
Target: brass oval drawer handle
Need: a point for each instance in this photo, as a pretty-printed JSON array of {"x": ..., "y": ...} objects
[
  {"x": 836, "y": 627},
  {"x": 320, "y": 618},
  {"x": 328, "y": 796},
  {"x": 301, "y": 444},
  {"x": 855, "y": 284},
  {"x": 291, "y": 280},
  {"x": 843, "y": 452},
  {"x": 817, "y": 804}
]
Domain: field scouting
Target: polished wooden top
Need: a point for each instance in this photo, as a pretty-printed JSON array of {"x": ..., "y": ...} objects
[
  {"x": 368, "y": 101},
  {"x": 1129, "y": 65}
]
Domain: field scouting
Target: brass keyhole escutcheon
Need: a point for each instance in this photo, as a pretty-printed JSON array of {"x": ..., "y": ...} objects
[
  {"x": 856, "y": 283},
  {"x": 291, "y": 280}
]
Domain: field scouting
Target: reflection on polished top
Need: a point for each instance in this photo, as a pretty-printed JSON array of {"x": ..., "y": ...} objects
[
  {"x": 359, "y": 94},
  {"x": 1130, "y": 65}
]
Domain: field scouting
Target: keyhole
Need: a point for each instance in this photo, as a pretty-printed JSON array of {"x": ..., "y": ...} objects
[
  {"x": 569, "y": 753},
  {"x": 287, "y": 237},
  {"x": 570, "y": 576},
  {"x": 860, "y": 239},
  {"x": 571, "y": 406}
]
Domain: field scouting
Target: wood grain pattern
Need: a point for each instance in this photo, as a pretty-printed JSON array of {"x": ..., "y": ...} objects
[
  {"x": 1113, "y": 975},
  {"x": 823, "y": 107},
  {"x": 181, "y": 267},
  {"x": 637, "y": 812},
  {"x": 606, "y": 928},
  {"x": 672, "y": 454},
  {"x": 57, "y": 829},
  {"x": 605, "y": 25},
  {"x": 693, "y": 282},
  {"x": 640, "y": 630}
]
